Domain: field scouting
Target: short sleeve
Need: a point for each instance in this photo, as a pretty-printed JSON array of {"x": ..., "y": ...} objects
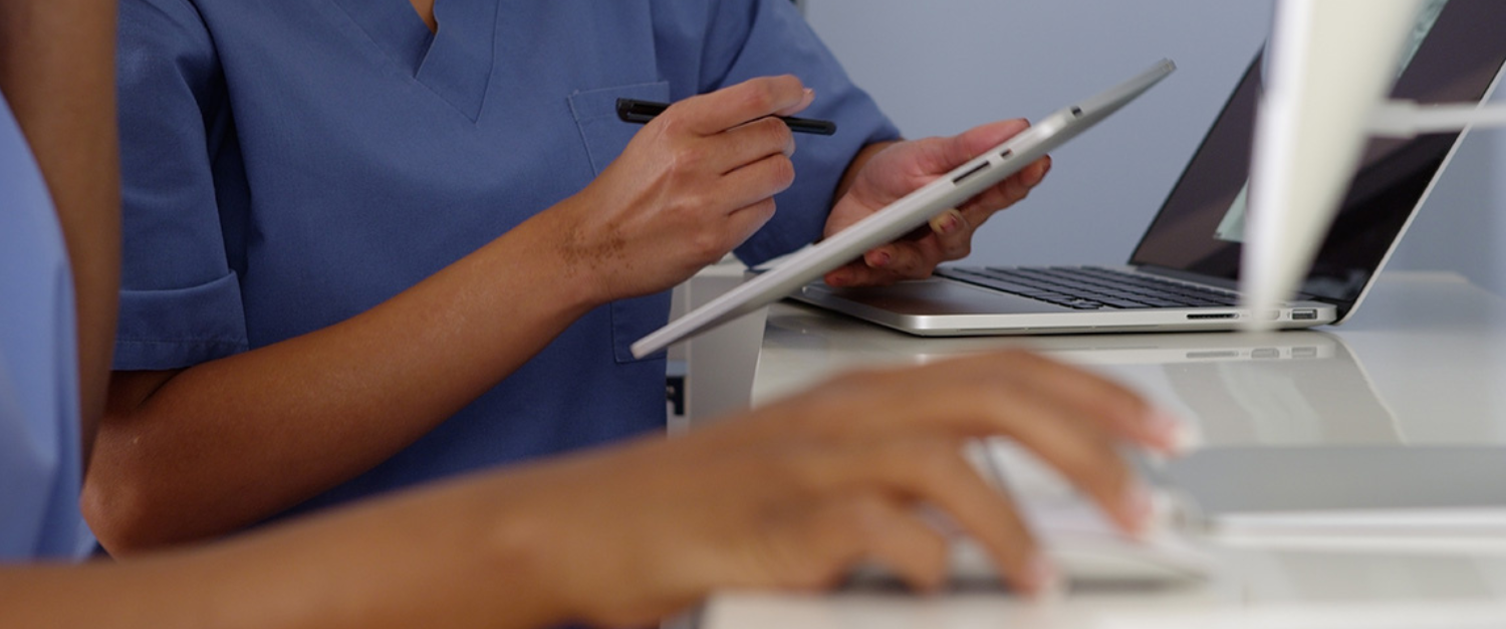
[
  {"x": 753, "y": 38},
  {"x": 180, "y": 300}
]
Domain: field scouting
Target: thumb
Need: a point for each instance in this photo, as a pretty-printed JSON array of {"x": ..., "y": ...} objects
[{"x": 973, "y": 142}]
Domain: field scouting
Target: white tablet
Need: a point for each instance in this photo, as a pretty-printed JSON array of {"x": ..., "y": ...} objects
[{"x": 912, "y": 211}]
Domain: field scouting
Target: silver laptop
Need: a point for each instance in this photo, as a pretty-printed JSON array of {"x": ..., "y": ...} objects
[{"x": 1183, "y": 273}]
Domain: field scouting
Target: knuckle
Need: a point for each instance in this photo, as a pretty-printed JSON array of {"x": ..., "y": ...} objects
[
  {"x": 775, "y": 132},
  {"x": 957, "y": 246},
  {"x": 782, "y": 172},
  {"x": 688, "y": 159},
  {"x": 773, "y": 136},
  {"x": 706, "y": 245},
  {"x": 761, "y": 95},
  {"x": 766, "y": 208},
  {"x": 762, "y": 212},
  {"x": 686, "y": 205},
  {"x": 672, "y": 121}
]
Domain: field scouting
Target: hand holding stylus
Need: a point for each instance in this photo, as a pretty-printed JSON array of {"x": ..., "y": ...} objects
[{"x": 695, "y": 182}]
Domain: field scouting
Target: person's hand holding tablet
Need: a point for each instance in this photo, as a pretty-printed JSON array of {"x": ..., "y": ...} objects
[{"x": 897, "y": 170}]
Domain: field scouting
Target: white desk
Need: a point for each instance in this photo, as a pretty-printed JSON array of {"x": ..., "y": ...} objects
[{"x": 1422, "y": 363}]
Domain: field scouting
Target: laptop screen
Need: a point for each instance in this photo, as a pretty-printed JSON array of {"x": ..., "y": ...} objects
[{"x": 1456, "y": 52}]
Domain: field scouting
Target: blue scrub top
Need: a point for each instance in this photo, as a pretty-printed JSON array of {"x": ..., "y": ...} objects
[
  {"x": 289, "y": 164},
  {"x": 40, "y": 465}
]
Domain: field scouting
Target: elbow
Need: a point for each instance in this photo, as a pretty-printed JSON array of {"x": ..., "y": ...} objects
[
  {"x": 133, "y": 506},
  {"x": 137, "y": 498},
  {"x": 128, "y": 497},
  {"x": 119, "y": 514}
]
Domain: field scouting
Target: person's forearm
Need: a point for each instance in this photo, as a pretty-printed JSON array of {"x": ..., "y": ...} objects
[
  {"x": 440, "y": 558},
  {"x": 230, "y": 442},
  {"x": 57, "y": 71}
]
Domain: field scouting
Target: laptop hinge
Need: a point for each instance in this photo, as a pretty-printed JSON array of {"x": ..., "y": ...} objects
[
  {"x": 1233, "y": 285},
  {"x": 1188, "y": 276}
]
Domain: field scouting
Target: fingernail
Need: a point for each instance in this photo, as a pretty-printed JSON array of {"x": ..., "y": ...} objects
[
  {"x": 838, "y": 279},
  {"x": 1045, "y": 581},
  {"x": 1171, "y": 434},
  {"x": 1188, "y": 438},
  {"x": 881, "y": 259},
  {"x": 805, "y": 99},
  {"x": 946, "y": 221}
]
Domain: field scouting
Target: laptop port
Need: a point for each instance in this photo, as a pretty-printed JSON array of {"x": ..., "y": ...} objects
[
  {"x": 1306, "y": 314},
  {"x": 1213, "y": 315}
]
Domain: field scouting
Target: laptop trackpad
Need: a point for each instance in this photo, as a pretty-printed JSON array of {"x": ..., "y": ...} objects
[{"x": 933, "y": 296}]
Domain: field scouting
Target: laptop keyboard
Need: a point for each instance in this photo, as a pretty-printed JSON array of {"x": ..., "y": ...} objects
[{"x": 1090, "y": 288}]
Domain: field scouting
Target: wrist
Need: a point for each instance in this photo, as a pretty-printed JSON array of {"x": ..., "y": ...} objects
[
  {"x": 521, "y": 547},
  {"x": 576, "y": 261},
  {"x": 548, "y": 540},
  {"x": 551, "y": 249},
  {"x": 854, "y": 167}
]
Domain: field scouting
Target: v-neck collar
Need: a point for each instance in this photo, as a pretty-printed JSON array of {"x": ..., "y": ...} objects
[{"x": 455, "y": 63}]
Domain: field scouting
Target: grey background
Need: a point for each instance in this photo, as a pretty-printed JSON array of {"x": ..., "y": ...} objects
[{"x": 940, "y": 66}]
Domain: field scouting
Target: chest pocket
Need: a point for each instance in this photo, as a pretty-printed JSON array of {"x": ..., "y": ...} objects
[{"x": 605, "y": 137}]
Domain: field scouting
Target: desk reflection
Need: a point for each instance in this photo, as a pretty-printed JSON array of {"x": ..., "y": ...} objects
[
  {"x": 1432, "y": 385},
  {"x": 1288, "y": 388}
]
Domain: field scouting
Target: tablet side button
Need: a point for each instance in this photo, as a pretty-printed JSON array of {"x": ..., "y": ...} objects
[{"x": 975, "y": 170}]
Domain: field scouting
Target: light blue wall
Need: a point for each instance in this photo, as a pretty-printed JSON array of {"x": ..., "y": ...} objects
[{"x": 940, "y": 66}]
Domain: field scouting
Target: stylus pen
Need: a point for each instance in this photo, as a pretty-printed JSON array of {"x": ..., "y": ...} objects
[{"x": 642, "y": 111}]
